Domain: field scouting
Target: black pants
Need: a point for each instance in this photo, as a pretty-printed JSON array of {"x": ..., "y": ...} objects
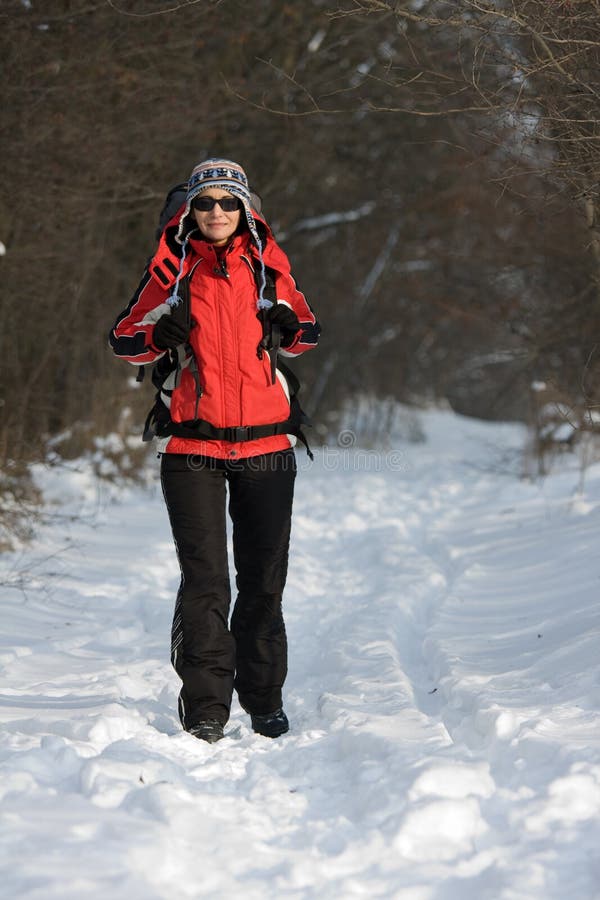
[{"x": 210, "y": 657}]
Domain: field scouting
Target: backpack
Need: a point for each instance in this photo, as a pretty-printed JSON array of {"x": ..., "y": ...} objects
[{"x": 158, "y": 421}]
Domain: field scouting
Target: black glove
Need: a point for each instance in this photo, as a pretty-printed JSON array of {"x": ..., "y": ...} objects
[
  {"x": 169, "y": 333},
  {"x": 282, "y": 315}
]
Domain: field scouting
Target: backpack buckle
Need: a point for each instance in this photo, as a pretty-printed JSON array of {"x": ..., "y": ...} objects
[{"x": 241, "y": 433}]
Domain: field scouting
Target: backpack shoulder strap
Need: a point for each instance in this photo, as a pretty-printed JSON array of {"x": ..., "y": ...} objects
[
  {"x": 173, "y": 201},
  {"x": 271, "y": 338}
]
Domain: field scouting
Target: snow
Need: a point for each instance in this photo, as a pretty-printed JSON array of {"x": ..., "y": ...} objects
[
  {"x": 313, "y": 223},
  {"x": 443, "y": 692},
  {"x": 316, "y": 40}
]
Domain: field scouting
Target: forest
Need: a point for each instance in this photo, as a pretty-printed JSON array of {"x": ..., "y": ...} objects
[{"x": 432, "y": 169}]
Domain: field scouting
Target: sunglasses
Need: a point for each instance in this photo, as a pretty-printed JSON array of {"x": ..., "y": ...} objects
[{"x": 227, "y": 204}]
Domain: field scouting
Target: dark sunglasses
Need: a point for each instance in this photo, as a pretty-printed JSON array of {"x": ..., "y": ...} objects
[{"x": 205, "y": 204}]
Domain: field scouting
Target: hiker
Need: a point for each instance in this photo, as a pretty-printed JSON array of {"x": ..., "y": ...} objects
[{"x": 225, "y": 419}]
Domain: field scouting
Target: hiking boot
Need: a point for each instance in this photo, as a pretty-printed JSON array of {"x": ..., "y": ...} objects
[
  {"x": 271, "y": 725},
  {"x": 210, "y": 731}
]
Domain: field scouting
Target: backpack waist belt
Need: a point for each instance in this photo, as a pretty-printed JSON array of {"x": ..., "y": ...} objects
[{"x": 200, "y": 429}]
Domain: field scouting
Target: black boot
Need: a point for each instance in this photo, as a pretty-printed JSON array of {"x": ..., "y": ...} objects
[
  {"x": 271, "y": 725},
  {"x": 210, "y": 731}
]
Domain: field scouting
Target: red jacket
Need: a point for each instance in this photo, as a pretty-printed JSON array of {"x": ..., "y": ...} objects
[{"x": 236, "y": 383}]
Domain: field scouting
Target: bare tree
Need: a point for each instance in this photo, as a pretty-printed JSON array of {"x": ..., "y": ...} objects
[{"x": 514, "y": 88}]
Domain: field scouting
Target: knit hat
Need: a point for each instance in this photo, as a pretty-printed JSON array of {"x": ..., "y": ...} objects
[
  {"x": 223, "y": 174},
  {"x": 228, "y": 176}
]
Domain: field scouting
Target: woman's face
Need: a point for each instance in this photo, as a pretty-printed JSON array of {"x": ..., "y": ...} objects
[{"x": 217, "y": 225}]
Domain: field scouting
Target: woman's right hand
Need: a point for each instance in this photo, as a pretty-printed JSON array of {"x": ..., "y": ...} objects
[{"x": 168, "y": 333}]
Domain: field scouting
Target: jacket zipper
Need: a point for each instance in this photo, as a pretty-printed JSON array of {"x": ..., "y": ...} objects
[
  {"x": 221, "y": 268},
  {"x": 222, "y": 271}
]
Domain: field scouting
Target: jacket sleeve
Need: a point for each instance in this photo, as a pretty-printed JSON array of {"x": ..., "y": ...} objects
[
  {"x": 288, "y": 292},
  {"x": 131, "y": 335}
]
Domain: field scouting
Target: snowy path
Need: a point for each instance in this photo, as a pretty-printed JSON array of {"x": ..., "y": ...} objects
[{"x": 444, "y": 693}]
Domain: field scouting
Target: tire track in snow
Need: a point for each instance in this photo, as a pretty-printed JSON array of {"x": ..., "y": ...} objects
[
  {"x": 359, "y": 674},
  {"x": 372, "y": 607}
]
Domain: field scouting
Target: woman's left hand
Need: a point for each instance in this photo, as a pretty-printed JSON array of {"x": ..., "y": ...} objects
[{"x": 281, "y": 314}]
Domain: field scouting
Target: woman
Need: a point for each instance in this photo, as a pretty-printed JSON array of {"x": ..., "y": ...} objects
[{"x": 224, "y": 420}]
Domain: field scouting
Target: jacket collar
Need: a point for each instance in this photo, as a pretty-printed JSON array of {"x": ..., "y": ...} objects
[{"x": 164, "y": 265}]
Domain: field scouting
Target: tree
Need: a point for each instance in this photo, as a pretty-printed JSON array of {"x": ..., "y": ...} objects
[
  {"x": 519, "y": 83},
  {"x": 425, "y": 165}
]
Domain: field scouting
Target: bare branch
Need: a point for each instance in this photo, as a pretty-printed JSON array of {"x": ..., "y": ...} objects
[{"x": 157, "y": 12}]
